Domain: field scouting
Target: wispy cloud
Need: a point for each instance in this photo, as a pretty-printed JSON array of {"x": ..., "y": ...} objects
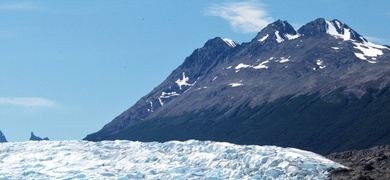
[
  {"x": 246, "y": 17},
  {"x": 19, "y": 6},
  {"x": 28, "y": 102},
  {"x": 376, "y": 40}
]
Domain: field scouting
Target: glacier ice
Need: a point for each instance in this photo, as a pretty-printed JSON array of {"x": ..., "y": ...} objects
[{"x": 170, "y": 160}]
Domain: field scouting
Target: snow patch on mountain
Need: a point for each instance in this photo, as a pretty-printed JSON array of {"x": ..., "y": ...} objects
[
  {"x": 236, "y": 84},
  {"x": 263, "y": 38},
  {"x": 278, "y": 38},
  {"x": 262, "y": 65},
  {"x": 259, "y": 66},
  {"x": 183, "y": 82},
  {"x": 166, "y": 95},
  {"x": 160, "y": 101},
  {"x": 242, "y": 65},
  {"x": 291, "y": 37},
  {"x": 171, "y": 160},
  {"x": 320, "y": 64},
  {"x": 335, "y": 29},
  {"x": 151, "y": 106},
  {"x": 283, "y": 60},
  {"x": 230, "y": 42},
  {"x": 369, "y": 50}
]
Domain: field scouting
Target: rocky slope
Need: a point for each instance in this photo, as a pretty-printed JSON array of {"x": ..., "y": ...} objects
[
  {"x": 315, "y": 89},
  {"x": 373, "y": 163}
]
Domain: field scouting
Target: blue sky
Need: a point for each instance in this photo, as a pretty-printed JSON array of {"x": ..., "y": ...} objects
[{"x": 69, "y": 67}]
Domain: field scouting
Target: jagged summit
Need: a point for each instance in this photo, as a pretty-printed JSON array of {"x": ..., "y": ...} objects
[
  {"x": 334, "y": 28},
  {"x": 2, "y": 137},
  {"x": 278, "y": 31},
  {"x": 212, "y": 48}
]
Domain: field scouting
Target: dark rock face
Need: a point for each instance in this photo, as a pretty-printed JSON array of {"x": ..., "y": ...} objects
[
  {"x": 2, "y": 137},
  {"x": 315, "y": 90},
  {"x": 373, "y": 163},
  {"x": 36, "y": 138}
]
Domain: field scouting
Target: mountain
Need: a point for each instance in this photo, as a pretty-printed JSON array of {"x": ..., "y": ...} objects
[
  {"x": 2, "y": 137},
  {"x": 36, "y": 138},
  {"x": 322, "y": 88},
  {"x": 127, "y": 160}
]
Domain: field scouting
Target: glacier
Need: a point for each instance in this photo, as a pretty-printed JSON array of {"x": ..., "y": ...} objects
[{"x": 192, "y": 159}]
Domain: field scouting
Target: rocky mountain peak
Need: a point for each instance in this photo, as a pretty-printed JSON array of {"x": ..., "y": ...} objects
[
  {"x": 219, "y": 43},
  {"x": 334, "y": 28},
  {"x": 2, "y": 137},
  {"x": 212, "y": 48},
  {"x": 277, "y": 31}
]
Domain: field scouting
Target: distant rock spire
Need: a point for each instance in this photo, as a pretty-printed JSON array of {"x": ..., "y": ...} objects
[
  {"x": 2, "y": 137},
  {"x": 36, "y": 138}
]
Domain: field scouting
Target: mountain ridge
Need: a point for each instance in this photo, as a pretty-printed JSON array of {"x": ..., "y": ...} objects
[{"x": 225, "y": 80}]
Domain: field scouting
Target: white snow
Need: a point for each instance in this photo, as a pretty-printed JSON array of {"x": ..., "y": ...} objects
[
  {"x": 262, "y": 65},
  {"x": 263, "y": 38},
  {"x": 235, "y": 84},
  {"x": 284, "y": 60},
  {"x": 151, "y": 106},
  {"x": 171, "y": 160},
  {"x": 161, "y": 102},
  {"x": 228, "y": 67},
  {"x": 229, "y": 42},
  {"x": 335, "y": 48},
  {"x": 347, "y": 34},
  {"x": 184, "y": 81},
  {"x": 320, "y": 64},
  {"x": 291, "y": 37},
  {"x": 278, "y": 38},
  {"x": 166, "y": 95},
  {"x": 259, "y": 66},
  {"x": 360, "y": 56},
  {"x": 333, "y": 31},
  {"x": 214, "y": 78},
  {"x": 368, "y": 49},
  {"x": 242, "y": 65}
]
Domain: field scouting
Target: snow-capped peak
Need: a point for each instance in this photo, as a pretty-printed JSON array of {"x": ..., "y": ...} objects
[
  {"x": 230, "y": 42},
  {"x": 278, "y": 31},
  {"x": 341, "y": 30}
]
